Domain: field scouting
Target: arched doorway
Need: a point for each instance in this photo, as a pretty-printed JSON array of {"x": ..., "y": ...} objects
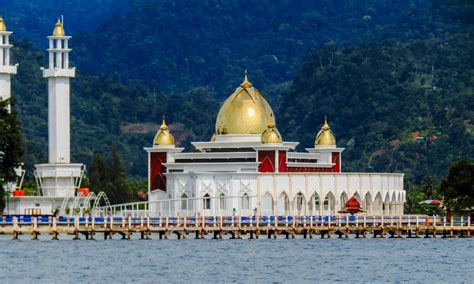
[
  {"x": 184, "y": 204},
  {"x": 299, "y": 204},
  {"x": 283, "y": 204},
  {"x": 386, "y": 205},
  {"x": 377, "y": 205},
  {"x": 329, "y": 205},
  {"x": 267, "y": 205},
  {"x": 343, "y": 199},
  {"x": 368, "y": 203},
  {"x": 222, "y": 204},
  {"x": 315, "y": 205}
]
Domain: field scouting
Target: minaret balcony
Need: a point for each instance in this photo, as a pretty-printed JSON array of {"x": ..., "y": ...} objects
[
  {"x": 56, "y": 72},
  {"x": 59, "y": 49},
  {"x": 8, "y": 69}
]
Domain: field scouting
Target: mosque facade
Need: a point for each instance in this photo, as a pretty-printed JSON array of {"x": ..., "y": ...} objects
[{"x": 247, "y": 168}]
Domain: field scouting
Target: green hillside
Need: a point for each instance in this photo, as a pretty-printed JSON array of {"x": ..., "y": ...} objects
[
  {"x": 184, "y": 44},
  {"x": 379, "y": 98},
  {"x": 385, "y": 72}
]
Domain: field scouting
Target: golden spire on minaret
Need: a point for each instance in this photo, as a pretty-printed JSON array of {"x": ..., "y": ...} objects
[
  {"x": 3, "y": 28},
  {"x": 246, "y": 83},
  {"x": 325, "y": 136},
  {"x": 59, "y": 29},
  {"x": 163, "y": 137}
]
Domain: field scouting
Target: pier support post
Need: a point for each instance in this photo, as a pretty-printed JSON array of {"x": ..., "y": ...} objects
[{"x": 76, "y": 235}]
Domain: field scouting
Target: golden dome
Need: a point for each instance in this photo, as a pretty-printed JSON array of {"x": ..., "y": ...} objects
[
  {"x": 3, "y": 27},
  {"x": 245, "y": 112},
  {"x": 271, "y": 135},
  {"x": 325, "y": 136},
  {"x": 163, "y": 137},
  {"x": 59, "y": 29}
]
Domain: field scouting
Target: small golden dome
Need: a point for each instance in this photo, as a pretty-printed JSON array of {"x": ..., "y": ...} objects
[
  {"x": 245, "y": 112},
  {"x": 325, "y": 136},
  {"x": 3, "y": 27},
  {"x": 59, "y": 29},
  {"x": 163, "y": 137},
  {"x": 271, "y": 135}
]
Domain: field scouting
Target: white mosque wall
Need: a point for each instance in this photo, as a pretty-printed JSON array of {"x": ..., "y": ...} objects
[{"x": 212, "y": 194}]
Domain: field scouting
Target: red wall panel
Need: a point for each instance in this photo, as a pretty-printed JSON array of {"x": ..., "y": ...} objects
[
  {"x": 267, "y": 161},
  {"x": 157, "y": 170}
]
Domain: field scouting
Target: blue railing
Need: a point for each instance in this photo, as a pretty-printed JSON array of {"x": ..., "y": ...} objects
[{"x": 238, "y": 220}]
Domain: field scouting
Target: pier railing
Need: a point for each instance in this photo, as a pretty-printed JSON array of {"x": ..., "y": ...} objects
[
  {"x": 338, "y": 220},
  {"x": 236, "y": 226}
]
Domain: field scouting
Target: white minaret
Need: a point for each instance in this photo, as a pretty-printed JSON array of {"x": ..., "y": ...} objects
[
  {"x": 6, "y": 70},
  {"x": 59, "y": 177}
]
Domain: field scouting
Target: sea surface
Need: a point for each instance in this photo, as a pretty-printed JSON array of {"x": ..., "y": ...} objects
[{"x": 243, "y": 261}]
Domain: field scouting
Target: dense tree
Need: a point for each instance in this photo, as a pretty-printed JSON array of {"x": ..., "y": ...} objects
[
  {"x": 458, "y": 186},
  {"x": 110, "y": 177},
  {"x": 97, "y": 173},
  {"x": 11, "y": 142},
  {"x": 117, "y": 187},
  {"x": 11, "y": 146}
]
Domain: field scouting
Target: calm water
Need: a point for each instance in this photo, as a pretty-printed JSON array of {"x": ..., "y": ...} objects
[{"x": 312, "y": 260}]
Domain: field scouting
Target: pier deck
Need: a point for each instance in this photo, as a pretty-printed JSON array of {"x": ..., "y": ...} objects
[{"x": 220, "y": 227}]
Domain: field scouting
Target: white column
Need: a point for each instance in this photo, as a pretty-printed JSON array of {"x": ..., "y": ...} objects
[
  {"x": 59, "y": 120},
  {"x": 59, "y": 58}
]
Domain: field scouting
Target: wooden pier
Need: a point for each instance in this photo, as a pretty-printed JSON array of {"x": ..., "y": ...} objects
[{"x": 220, "y": 227}]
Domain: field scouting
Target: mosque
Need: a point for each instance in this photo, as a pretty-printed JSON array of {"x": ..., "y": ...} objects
[{"x": 246, "y": 167}]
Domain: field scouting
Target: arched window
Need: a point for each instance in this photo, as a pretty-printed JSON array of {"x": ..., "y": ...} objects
[
  {"x": 245, "y": 201},
  {"x": 222, "y": 201},
  {"x": 207, "y": 201},
  {"x": 184, "y": 202}
]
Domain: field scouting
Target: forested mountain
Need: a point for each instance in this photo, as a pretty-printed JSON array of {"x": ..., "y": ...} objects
[
  {"x": 380, "y": 98},
  {"x": 183, "y": 44},
  {"x": 385, "y": 73}
]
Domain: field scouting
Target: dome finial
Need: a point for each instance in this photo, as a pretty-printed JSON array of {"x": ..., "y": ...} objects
[
  {"x": 3, "y": 27},
  {"x": 325, "y": 125},
  {"x": 59, "y": 29},
  {"x": 246, "y": 83},
  {"x": 163, "y": 124},
  {"x": 163, "y": 137},
  {"x": 325, "y": 136}
]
